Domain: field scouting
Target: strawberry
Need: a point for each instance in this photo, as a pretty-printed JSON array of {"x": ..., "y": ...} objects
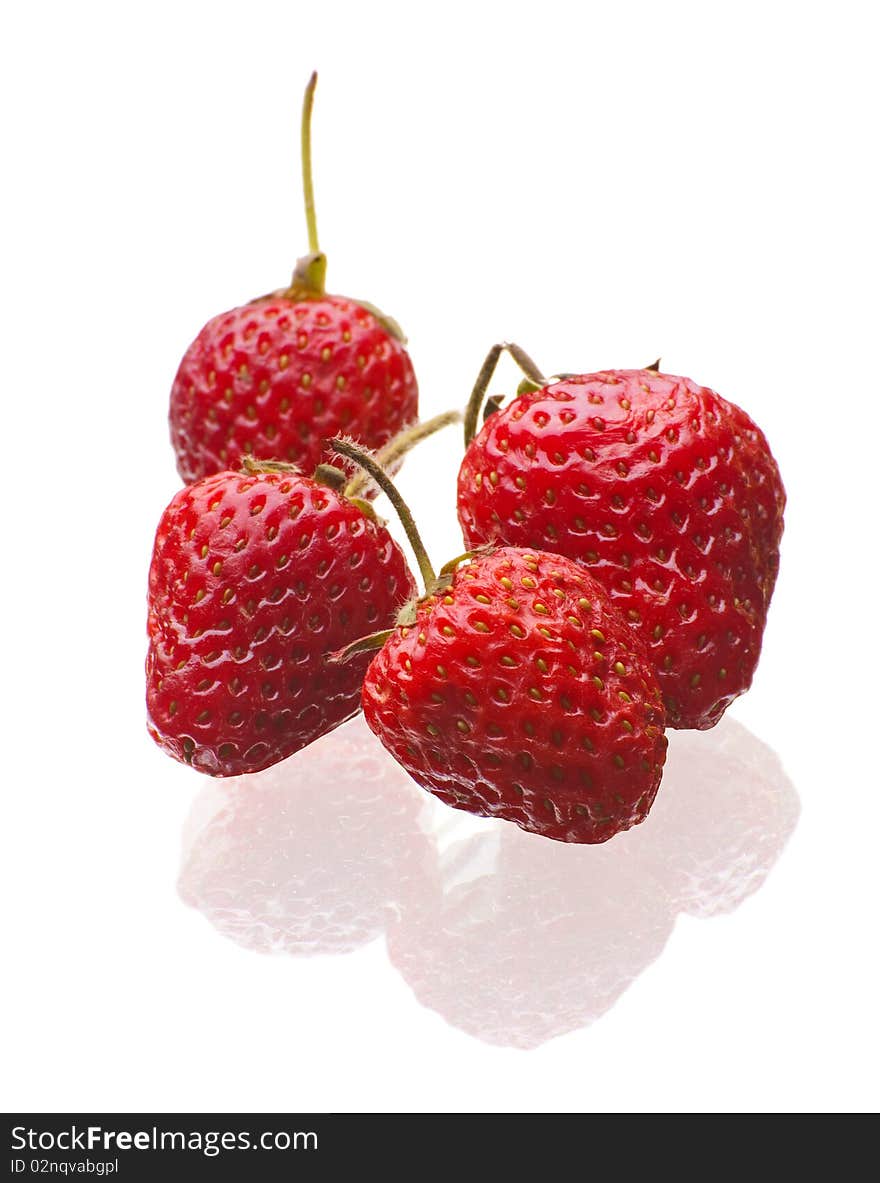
[
  {"x": 515, "y": 690},
  {"x": 254, "y": 577},
  {"x": 277, "y": 377},
  {"x": 668, "y": 495}
]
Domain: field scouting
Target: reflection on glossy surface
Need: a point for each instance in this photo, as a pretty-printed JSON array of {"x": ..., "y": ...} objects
[
  {"x": 510, "y": 937},
  {"x": 725, "y": 810},
  {"x": 541, "y": 939},
  {"x": 310, "y": 855}
]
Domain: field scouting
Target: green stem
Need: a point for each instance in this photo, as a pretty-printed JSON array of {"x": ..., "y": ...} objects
[
  {"x": 306, "y": 151},
  {"x": 399, "y": 446},
  {"x": 367, "y": 462},
  {"x": 475, "y": 402},
  {"x": 525, "y": 363},
  {"x": 311, "y": 270}
]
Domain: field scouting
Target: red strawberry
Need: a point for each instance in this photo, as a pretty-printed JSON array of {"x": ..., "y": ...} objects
[
  {"x": 277, "y": 377},
  {"x": 254, "y": 578},
  {"x": 666, "y": 492},
  {"x": 518, "y": 692}
]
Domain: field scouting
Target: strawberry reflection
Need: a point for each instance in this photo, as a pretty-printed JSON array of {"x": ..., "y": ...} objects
[
  {"x": 530, "y": 939},
  {"x": 524, "y": 940},
  {"x": 723, "y": 814},
  {"x": 511, "y": 938},
  {"x": 310, "y": 855}
]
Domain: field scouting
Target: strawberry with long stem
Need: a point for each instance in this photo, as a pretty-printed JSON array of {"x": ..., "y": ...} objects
[{"x": 275, "y": 378}]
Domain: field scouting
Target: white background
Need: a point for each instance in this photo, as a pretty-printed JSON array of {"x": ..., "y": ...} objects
[{"x": 603, "y": 183}]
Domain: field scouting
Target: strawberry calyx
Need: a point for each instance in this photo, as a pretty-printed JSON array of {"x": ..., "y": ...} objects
[
  {"x": 334, "y": 478},
  {"x": 254, "y": 467},
  {"x": 388, "y": 323},
  {"x": 527, "y": 386},
  {"x": 308, "y": 278},
  {"x": 449, "y": 568},
  {"x": 408, "y": 614},
  {"x": 331, "y": 476},
  {"x": 325, "y": 474}
]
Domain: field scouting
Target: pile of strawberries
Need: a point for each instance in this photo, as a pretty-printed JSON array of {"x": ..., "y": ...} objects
[{"x": 622, "y": 535}]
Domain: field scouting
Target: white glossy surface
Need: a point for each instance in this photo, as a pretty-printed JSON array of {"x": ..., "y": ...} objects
[{"x": 602, "y": 183}]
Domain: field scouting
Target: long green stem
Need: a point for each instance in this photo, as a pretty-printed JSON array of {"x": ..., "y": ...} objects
[
  {"x": 399, "y": 446},
  {"x": 363, "y": 458},
  {"x": 524, "y": 362},
  {"x": 475, "y": 402},
  {"x": 306, "y": 151}
]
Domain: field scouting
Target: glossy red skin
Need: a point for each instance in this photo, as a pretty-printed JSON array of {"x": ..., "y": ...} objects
[
  {"x": 277, "y": 378},
  {"x": 670, "y": 497},
  {"x": 529, "y": 728},
  {"x": 253, "y": 581}
]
